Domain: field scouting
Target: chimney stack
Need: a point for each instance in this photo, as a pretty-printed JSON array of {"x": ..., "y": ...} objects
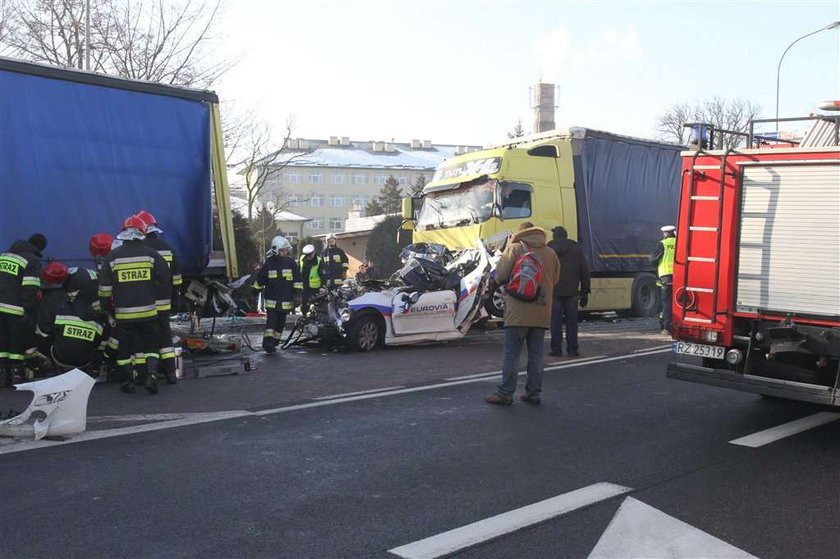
[{"x": 544, "y": 104}]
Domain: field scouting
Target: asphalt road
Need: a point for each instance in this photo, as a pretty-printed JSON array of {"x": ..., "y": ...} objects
[{"x": 300, "y": 473}]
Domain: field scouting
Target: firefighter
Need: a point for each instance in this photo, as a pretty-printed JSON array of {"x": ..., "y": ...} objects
[
  {"x": 279, "y": 276},
  {"x": 311, "y": 271},
  {"x": 20, "y": 283},
  {"x": 131, "y": 278},
  {"x": 53, "y": 299},
  {"x": 335, "y": 262},
  {"x": 663, "y": 257},
  {"x": 69, "y": 333},
  {"x": 168, "y": 295},
  {"x": 99, "y": 247}
]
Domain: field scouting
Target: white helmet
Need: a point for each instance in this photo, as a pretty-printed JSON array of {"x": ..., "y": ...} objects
[
  {"x": 309, "y": 249},
  {"x": 279, "y": 243},
  {"x": 330, "y": 236}
]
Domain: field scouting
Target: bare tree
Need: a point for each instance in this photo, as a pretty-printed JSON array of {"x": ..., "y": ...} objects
[
  {"x": 164, "y": 41},
  {"x": 263, "y": 161},
  {"x": 723, "y": 114}
]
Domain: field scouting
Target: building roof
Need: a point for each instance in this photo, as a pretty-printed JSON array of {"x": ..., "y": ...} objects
[
  {"x": 237, "y": 203},
  {"x": 362, "y": 155}
]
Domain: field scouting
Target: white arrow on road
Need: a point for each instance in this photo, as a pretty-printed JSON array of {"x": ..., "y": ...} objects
[{"x": 640, "y": 531}]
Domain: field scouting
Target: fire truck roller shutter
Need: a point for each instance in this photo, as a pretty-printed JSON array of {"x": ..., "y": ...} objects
[{"x": 789, "y": 245}]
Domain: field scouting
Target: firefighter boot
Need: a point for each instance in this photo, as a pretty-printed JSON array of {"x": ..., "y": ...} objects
[
  {"x": 126, "y": 373},
  {"x": 169, "y": 370},
  {"x": 151, "y": 375}
]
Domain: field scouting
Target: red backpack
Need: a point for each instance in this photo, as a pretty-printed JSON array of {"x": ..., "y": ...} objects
[{"x": 524, "y": 282}]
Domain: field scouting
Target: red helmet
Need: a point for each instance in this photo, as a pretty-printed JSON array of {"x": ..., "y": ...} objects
[
  {"x": 54, "y": 272},
  {"x": 134, "y": 222},
  {"x": 147, "y": 218},
  {"x": 100, "y": 244}
]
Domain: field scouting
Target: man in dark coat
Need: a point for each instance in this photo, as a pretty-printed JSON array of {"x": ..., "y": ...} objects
[{"x": 573, "y": 286}]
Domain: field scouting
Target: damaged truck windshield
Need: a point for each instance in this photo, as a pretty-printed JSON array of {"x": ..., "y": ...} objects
[{"x": 473, "y": 202}]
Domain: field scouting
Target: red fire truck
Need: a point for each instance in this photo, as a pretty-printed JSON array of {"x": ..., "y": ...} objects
[{"x": 756, "y": 291}]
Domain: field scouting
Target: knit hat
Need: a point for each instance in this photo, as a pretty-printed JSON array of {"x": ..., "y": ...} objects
[{"x": 39, "y": 241}]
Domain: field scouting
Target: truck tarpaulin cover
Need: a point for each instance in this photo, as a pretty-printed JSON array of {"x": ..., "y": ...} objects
[
  {"x": 77, "y": 159},
  {"x": 630, "y": 189}
]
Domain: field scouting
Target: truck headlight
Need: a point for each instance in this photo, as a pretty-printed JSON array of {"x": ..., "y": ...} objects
[{"x": 345, "y": 315}]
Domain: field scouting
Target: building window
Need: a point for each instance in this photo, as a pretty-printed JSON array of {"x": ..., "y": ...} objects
[
  {"x": 360, "y": 179},
  {"x": 315, "y": 224},
  {"x": 335, "y": 224},
  {"x": 360, "y": 202},
  {"x": 316, "y": 178},
  {"x": 338, "y": 201},
  {"x": 293, "y": 202},
  {"x": 402, "y": 181},
  {"x": 316, "y": 201},
  {"x": 292, "y": 237},
  {"x": 292, "y": 178},
  {"x": 273, "y": 178},
  {"x": 338, "y": 178},
  {"x": 381, "y": 180}
]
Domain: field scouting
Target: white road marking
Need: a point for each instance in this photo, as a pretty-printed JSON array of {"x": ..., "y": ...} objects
[
  {"x": 359, "y": 392},
  {"x": 505, "y": 523},
  {"x": 146, "y": 417},
  {"x": 640, "y": 531},
  {"x": 195, "y": 419},
  {"x": 786, "y": 429},
  {"x": 13, "y": 446}
]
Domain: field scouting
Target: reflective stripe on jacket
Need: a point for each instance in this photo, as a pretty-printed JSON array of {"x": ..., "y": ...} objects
[
  {"x": 666, "y": 263},
  {"x": 314, "y": 279}
]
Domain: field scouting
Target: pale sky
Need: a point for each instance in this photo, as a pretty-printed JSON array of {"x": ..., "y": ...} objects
[{"x": 459, "y": 72}]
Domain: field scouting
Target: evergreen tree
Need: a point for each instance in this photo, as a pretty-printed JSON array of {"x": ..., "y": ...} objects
[
  {"x": 374, "y": 207},
  {"x": 383, "y": 248},
  {"x": 419, "y": 184},
  {"x": 390, "y": 196},
  {"x": 518, "y": 131}
]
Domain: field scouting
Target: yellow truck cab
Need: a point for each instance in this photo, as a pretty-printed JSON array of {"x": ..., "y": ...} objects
[{"x": 612, "y": 194}]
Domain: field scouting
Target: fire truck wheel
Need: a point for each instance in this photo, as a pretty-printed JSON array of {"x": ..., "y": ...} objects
[
  {"x": 645, "y": 296},
  {"x": 365, "y": 333}
]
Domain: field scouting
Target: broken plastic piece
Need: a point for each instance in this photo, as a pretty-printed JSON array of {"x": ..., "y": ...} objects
[{"x": 58, "y": 408}]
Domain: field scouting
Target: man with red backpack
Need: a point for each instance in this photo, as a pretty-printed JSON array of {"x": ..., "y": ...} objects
[{"x": 529, "y": 270}]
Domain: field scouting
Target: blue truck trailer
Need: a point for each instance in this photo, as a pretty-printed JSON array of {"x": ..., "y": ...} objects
[{"x": 79, "y": 152}]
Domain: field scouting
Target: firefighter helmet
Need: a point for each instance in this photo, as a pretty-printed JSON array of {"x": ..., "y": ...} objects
[
  {"x": 150, "y": 221},
  {"x": 100, "y": 244},
  {"x": 134, "y": 222},
  {"x": 279, "y": 243},
  {"x": 55, "y": 273}
]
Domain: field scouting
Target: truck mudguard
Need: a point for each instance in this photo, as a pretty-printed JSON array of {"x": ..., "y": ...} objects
[
  {"x": 81, "y": 152},
  {"x": 629, "y": 189}
]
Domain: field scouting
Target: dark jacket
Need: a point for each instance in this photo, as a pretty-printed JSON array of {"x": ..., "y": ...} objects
[
  {"x": 20, "y": 278},
  {"x": 164, "y": 296},
  {"x": 280, "y": 277},
  {"x": 77, "y": 335},
  {"x": 335, "y": 263},
  {"x": 132, "y": 277},
  {"x": 574, "y": 270}
]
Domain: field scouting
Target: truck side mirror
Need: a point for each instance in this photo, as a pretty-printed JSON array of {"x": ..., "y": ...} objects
[{"x": 407, "y": 214}]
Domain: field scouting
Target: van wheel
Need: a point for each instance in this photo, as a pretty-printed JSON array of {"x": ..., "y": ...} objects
[
  {"x": 365, "y": 333},
  {"x": 495, "y": 305},
  {"x": 645, "y": 298}
]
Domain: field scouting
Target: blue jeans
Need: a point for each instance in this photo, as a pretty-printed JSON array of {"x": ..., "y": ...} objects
[
  {"x": 564, "y": 311},
  {"x": 515, "y": 338}
]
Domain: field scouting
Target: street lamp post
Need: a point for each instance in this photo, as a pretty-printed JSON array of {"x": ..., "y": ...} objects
[{"x": 833, "y": 25}]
